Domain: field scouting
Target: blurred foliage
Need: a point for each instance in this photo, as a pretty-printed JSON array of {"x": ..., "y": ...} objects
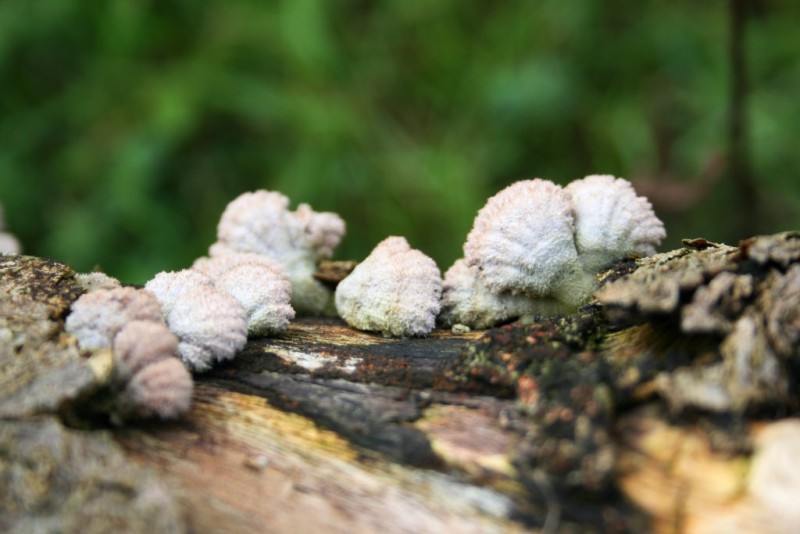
[{"x": 127, "y": 125}]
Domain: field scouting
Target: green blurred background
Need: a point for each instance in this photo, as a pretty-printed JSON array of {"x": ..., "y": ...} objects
[{"x": 127, "y": 125}]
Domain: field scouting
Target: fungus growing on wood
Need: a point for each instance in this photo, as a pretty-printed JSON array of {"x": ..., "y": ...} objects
[
  {"x": 162, "y": 389},
  {"x": 263, "y": 293},
  {"x": 152, "y": 381},
  {"x": 535, "y": 240},
  {"x": 522, "y": 240},
  {"x": 168, "y": 286},
  {"x": 467, "y": 301},
  {"x": 139, "y": 344},
  {"x": 261, "y": 223},
  {"x": 395, "y": 291},
  {"x": 148, "y": 379},
  {"x": 97, "y": 317},
  {"x": 258, "y": 284},
  {"x": 611, "y": 222},
  {"x": 210, "y": 324}
]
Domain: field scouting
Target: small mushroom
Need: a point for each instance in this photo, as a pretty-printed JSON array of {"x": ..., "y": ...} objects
[
  {"x": 152, "y": 381},
  {"x": 395, "y": 291},
  {"x": 522, "y": 240},
  {"x": 211, "y": 326},
  {"x": 97, "y": 317},
  {"x": 611, "y": 222},
  {"x": 263, "y": 293},
  {"x": 142, "y": 343},
  {"x": 148, "y": 379},
  {"x": 258, "y": 284},
  {"x": 168, "y": 286},
  {"x": 162, "y": 389},
  {"x": 261, "y": 223}
]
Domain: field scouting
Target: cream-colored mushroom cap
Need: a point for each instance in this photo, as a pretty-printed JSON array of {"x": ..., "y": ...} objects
[
  {"x": 522, "y": 240},
  {"x": 395, "y": 291},
  {"x": 611, "y": 221}
]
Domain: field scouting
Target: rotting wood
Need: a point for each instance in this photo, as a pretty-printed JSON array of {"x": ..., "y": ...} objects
[{"x": 244, "y": 465}]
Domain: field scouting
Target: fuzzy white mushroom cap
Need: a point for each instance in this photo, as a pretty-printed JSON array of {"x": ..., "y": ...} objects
[
  {"x": 260, "y": 286},
  {"x": 142, "y": 343},
  {"x": 162, "y": 389},
  {"x": 611, "y": 222},
  {"x": 210, "y": 324},
  {"x": 261, "y": 223},
  {"x": 263, "y": 292},
  {"x": 395, "y": 291},
  {"x": 97, "y": 317},
  {"x": 168, "y": 286},
  {"x": 466, "y": 301},
  {"x": 522, "y": 239}
]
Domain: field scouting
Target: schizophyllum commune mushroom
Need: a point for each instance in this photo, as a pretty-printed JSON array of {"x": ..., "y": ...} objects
[
  {"x": 396, "y": 291},
  {"x": 535, "y": 248}
]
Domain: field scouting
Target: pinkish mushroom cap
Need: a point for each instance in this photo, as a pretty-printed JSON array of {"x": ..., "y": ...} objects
[
  {"x": 259, "y": 285},
  {"x": 162, "y": 389},
  {"x": 97, "y": 317},
  {"x": 142, "y": 343}
]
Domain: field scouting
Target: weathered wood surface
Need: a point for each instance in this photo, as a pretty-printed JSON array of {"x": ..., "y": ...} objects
[{"x": 268, "y": 450}]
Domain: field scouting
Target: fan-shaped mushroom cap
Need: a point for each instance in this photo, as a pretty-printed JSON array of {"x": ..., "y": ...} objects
[
  {"x": 522, "y": 239},
  {"x": 395, "y": 291},
  {"x": 162, "y": 389},
  {"x": 168, "y": 286},
  {"x": 97, "y": 317},
  {"x": 260, "y": 223},
  {"x": 210, "y": 324},
  {"x": 142, "y": 343},
  {"x": 263, "y": 292},
  {"x": 611, "y": 222}
]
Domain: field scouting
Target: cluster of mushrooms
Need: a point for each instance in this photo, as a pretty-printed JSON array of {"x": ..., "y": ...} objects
[{"x": 535, "y": 249}]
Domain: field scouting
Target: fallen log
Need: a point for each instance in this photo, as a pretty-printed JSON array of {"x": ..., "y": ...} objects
[{"x": 668, "y": 405}]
